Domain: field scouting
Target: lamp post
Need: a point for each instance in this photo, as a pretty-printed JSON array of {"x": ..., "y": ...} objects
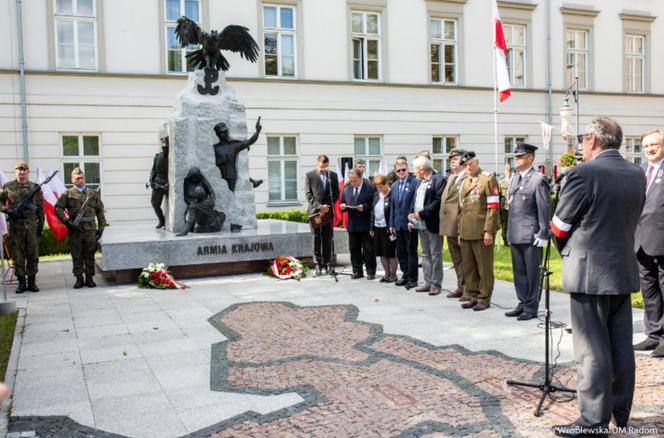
[{"x": 566, "y": 109}]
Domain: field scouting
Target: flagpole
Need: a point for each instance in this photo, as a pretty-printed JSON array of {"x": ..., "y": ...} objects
[{"x": 495, "y": 95}]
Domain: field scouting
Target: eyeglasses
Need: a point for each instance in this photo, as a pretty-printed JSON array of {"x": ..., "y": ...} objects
[
  {"x": 400, "y": 170},
  {"x": 581, "y": 137}
]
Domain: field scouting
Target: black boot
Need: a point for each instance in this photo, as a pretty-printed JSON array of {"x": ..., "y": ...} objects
[
  {"x": 79, "y": 282},
  {"x": 32, "y": 285},
  {"x": 89, "y": 282},
  {"x": 21, "y": 285}
]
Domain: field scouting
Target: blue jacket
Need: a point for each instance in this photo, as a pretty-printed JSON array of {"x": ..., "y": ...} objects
[
  {"x": 401, "y": 203},
  {"x": 359, "y": 221}
]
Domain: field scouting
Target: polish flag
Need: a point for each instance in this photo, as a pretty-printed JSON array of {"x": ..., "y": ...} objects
[
  {"x": 3, "y": 220},
  {"x": 502, "y": 74},
  {"x": 338, "y": 214},
  {"x": 52, "y": 192}
]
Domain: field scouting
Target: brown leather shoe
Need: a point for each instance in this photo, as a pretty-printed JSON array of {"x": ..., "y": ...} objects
[
  {"x": 481, "y": 306},
  {"x": 424, "y": 288},
  {"x": 434, "y": 291},
  {"x": 465, "y": 297},
  {"x": 456, "y": 294},
  {"x": 356, "y": 275},
  {"x": 469, "y": 304}
]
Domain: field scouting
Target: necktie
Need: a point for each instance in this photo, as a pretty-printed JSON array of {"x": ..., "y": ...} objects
[
  {"x": 401, "y": 184},
  {"x": 355, "y": 193},
  {"x": 649, "y": 175},
  {"x": 323, "y": 179}
]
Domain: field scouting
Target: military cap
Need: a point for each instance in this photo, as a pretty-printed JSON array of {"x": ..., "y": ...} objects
[
  {"x": 456, "y": 151},
  {"x": 21, "y": 165},
  {"x": 467, "y": 156},
  {"x": 524, "y": 148},
  {"x": 77, "y": 171}
]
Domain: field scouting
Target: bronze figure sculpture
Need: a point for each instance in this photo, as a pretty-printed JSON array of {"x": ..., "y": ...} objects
[
  {"x": 225, "y": 153},
  {"x": 209, "y": 58},
  {"x": 200, "y": 215},
  {"x": 159, "y": 178}
]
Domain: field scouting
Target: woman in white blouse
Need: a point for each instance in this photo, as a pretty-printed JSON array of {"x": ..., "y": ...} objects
[{"x": 385, "y": 243}]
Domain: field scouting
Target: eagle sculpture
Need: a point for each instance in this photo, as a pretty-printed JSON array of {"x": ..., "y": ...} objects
[{"x": 233, "y": 38}]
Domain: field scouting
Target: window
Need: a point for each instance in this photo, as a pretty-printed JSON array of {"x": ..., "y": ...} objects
[
  {"x": 510, "y": 144},
  {"x": 279, "y": 40},
  {"x": 82, "y": 151},
  {"x": 632, "y": 150},
  {"x": 75, "y": 34},
  {"x": 444, "y": 51},
  {"x": 441, "y": 148},
  {"x": 282, "y": 168},
  {"x": 515, "y": 38},
  {"x": 176, "y": 61},
  {"x": 634, "y": 63},
  {"x": 577, "y": 57},
  {"x": 370, "y": 150},
  {"x": 366, "y": 45}
]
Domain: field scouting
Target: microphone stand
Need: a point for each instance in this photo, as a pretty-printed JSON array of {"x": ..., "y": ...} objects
[{"x": 547, "y": 387}]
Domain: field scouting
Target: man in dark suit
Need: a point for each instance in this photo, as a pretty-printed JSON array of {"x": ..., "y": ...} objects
[
  {"x": 322, "y": 191},
  {"x": 649, "y": 245},
  {"x": 424, "y": 217},
  {"x": 594, "y": 225},
  {"x": 403, "y": 192},
  {"x": 357, "y": 200},
  {"x": 529, "y": 203}
]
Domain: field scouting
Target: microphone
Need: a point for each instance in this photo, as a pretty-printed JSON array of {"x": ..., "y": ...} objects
[{"x": 563, "y": 173}]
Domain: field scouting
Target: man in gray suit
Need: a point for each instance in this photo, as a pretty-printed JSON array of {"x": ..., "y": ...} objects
[
  {"x": 529, "y": 204},
  {"x": 649, "y": 245},
  {"x": 594, "y": 225}
]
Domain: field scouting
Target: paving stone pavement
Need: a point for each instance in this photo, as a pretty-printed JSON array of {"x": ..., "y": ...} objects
[{"x": 248, "y": 355}]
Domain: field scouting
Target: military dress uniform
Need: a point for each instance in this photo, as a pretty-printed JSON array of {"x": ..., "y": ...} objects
[
  {"x": 82, "y": 239},
  {"x": 449, "y": 227},
  {"x": 24, "y": 231},
  {"x": 503, "y": 186},
  {"x": 478, "y": 213}
]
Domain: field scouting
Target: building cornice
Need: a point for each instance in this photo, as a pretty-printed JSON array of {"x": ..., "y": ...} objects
[
  {"x": 645, "y": 17},
  {"x": 513, "y": 4},
  {"x": 463, "y": 2},
  {"x": 183, "y": 78},
  {"x": 573, "y": 9}
]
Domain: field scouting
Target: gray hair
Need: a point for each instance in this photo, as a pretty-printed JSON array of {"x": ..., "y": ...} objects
[
  {"x": 606, "y": 131},
  {"x": 355, "y": 171},
  {"x": 401, "y": 162},
  {"x": 422, "y": 162}
]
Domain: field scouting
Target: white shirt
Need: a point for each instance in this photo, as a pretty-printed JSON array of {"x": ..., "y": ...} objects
[
  {"x": 525, "y": 172},
  {"x": 419, "y": 200},
  {"x": 459, "y": 175},
  {"x": 359, "y": 189},
  {"x": 379, "y": 212},
  {"x": 655, "y": 170}
]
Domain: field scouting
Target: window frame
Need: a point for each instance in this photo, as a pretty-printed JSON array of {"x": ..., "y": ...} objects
[
  {"x": 511, "y": 46},
  {"x": 445, "y": 148},
  {"x": 81, "y": 159},
  {"x": 575, "y": 52},
  {"x": 365, "y": 37},
  {"x": 75, "y": 19},
  {"x": 166, "y": 24},
  {"x": 628, "y": 84},
  {"x": 508, "y": 157},
  {"x": 367, "y": 157},
  {"x": 442, "y": 43},
  {"x": 280, "y": 31},
  {"x": 627, "y": 149},
  {"x": 282, "y": 158}
]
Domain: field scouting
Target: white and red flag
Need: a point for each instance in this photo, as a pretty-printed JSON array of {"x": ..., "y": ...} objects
[
  {"x": 52, "y": 191},
  {"x": 338, "y": 214},
  {"x": 3, "y": 220},
  {"x": 502, "y": 74}
]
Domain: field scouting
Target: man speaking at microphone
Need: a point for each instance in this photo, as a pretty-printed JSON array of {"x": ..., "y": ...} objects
[
  {"x": 529, "y": 203},
  {"x": 594, "y": 224}
]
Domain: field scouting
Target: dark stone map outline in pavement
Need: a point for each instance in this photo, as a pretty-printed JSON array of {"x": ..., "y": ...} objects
[{"x": 261, "y": 355}]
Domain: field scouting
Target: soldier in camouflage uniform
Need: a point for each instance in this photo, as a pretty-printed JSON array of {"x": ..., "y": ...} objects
[
  {"x": 479, "y": 221},
  {"x": 25, "y": 226},
  {"x": 83, "y": 236},
  {"x": 159, "y": 178},
  {"x": 504, "y": 185}
]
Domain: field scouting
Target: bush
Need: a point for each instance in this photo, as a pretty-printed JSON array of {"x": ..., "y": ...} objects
[
  {"x": 285, "y": 215},
  {"x": 48, "y": 245}
]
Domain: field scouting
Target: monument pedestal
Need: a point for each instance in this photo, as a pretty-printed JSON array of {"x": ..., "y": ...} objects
[{"x": 128, "y": 248}]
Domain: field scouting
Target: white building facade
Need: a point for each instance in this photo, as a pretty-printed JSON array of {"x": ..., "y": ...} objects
[{"x": 371, "y": 79}]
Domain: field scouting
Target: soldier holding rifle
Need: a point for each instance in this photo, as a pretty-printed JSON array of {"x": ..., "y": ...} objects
[
  {"x": 22, "y": 201},
  {"x": 84, "y": 206}
]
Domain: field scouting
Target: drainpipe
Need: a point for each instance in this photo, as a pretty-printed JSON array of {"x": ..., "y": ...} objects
[
  {"x": 21, "y": 80},
  {"x": 549, "y": 91}
]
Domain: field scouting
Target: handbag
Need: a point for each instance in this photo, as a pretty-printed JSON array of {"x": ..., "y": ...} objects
[{"x": 318, "y": 219}]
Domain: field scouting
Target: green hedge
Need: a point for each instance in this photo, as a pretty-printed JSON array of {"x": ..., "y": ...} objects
[{"x": 285, "y": 215}]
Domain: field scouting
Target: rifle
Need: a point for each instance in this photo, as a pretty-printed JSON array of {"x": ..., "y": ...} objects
[
  {"x": 19, "y": 211},
  {"x": 79, "y": 216},
  {"x": 157, "y": 186}
]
